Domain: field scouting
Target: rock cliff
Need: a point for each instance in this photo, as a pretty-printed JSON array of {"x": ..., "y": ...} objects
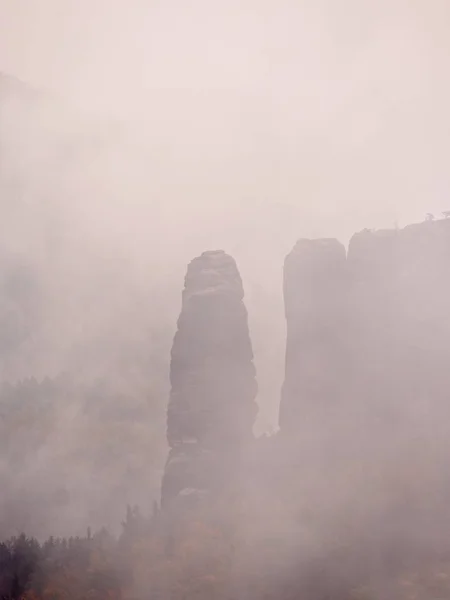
[
  {"x": 315, "y": 286},
  {"x": 373, "y": 325},
  {"x": 213, "y": 386},
  {"x": 399, "y": 294},
  {"x": 365, "y": 397}
]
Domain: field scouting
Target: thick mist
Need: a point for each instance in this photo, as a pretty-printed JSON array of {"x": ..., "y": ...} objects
[{"x": 134, "y": 137}]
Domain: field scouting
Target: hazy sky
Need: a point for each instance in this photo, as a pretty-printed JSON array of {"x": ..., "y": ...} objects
[{"x": 338, "y": 107}]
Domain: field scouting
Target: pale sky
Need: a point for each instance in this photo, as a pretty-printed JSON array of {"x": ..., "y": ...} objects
[
  {"x": 333, "y": 114},
  {"x": 345, "y": 103}
]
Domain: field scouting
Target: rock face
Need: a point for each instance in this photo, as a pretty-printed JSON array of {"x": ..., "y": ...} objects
[
  {"x": 399, "y": 298},
  {"x": 372, "y": 325},
  {"x": 212, "y": 405},
  {"x": 315, "y": 279},
  {"x": 367, "y": 382}
]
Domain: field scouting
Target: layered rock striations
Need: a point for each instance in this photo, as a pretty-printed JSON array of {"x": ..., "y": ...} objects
[{"x": 212, "y": 405}]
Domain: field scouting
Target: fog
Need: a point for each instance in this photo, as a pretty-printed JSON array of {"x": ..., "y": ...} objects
[{"x": 135, "y": 135}]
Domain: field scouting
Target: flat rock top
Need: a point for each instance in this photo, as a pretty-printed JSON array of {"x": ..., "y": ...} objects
[
  {"x": 320, "y": 247},
  {"x": 315, "y": 258},
  {"x": 317, "y": 244}
]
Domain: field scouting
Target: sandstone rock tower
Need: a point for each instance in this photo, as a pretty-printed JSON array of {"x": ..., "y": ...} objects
[
  {"x": 315, "y": 278},
  {"x": 212, "y": 405}
]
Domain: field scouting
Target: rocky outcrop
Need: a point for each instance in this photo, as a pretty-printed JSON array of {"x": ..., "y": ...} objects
[
  {"x": 367, "y": 383},
  {"x": 400, "y": 291},
  {"x": 315, "y": 279},
  {"x": 371, "y": 326},
  {"x": 213, "y": 386}
]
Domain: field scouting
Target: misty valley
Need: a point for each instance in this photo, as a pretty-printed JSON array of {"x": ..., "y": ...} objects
[
  {"x": 211, "y": 387},
  {"x": 348, "y": 499}
]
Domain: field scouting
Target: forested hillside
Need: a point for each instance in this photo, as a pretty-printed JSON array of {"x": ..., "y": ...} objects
[{"x": 74, "y": 453}]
